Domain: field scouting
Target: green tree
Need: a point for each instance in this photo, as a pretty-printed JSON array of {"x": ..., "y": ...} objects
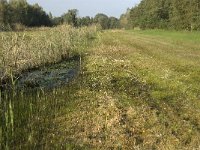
[
  {"x": 58, "y": 20},
  {"x": 125, "y": 20},
  {"x": 85, "y": 21},
  {"x": 71, "y": 17},
  {"x": 175, "y": 14},
  {"x": 114, "y": 23},
  {"x": 20, "y": 12},
  {"x": 103, "y": 20}
]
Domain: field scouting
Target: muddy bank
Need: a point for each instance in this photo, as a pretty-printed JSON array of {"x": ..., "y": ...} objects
[{"x": 47, "y": 76}]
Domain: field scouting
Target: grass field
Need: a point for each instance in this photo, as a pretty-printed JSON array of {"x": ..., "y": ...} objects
[
  {"x": 140, "y": 90},
  {"x": 136, "y": 90}
]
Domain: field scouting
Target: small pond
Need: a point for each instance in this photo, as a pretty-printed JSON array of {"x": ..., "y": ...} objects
[{"x": 39, "y": 96}]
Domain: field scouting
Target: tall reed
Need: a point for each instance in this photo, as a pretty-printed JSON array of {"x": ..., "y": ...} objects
[{"x": 23, "y": 50}]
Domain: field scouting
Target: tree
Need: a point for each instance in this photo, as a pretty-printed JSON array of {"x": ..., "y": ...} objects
[
  {"x": 173, "y": 14},
  {"x": 114, "y": 23},
  {"x": 58, "y": 21},
  {"x": 71, "y": 17},
  {"x": 125, "y": 20},
  {"x": 20, "y": 12},
  {"x": 3, "y": 4},
  {"x": 85, "y": 21},
  {"x": 103, "y": 20}
]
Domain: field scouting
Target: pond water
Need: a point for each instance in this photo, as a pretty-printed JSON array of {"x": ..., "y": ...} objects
[{"x": 27, "y": 110}]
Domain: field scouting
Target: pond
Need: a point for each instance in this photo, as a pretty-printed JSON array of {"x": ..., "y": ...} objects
[{"x": 39, "y": 95}]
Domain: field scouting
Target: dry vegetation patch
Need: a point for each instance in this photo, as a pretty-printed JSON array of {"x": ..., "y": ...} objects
[{"x": 29, "y": 49}]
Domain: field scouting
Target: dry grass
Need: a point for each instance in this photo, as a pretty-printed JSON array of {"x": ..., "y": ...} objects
[{"x": 28, "y": 49}]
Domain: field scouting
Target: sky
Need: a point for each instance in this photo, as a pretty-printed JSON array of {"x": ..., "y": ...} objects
[{"x": 86, "y": 7}]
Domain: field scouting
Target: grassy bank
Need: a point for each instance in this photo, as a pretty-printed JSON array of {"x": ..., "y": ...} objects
[
  {"x": 138, "y": 91},
  {"x": 29, "y": 49}
]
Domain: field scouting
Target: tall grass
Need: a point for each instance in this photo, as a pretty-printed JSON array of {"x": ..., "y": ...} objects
[
  {"x": 28, "y": 49},
  {"x": 23, "y": 122}
]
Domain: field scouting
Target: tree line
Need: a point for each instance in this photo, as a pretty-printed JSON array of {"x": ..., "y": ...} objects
[
  {"x": 149, "y": 14},
  {"x": 15, "y": 13},
  {"x": 20, "y": 12},
  {"x": 164, "y": 14},
  {"x": 71, "y": 17}
]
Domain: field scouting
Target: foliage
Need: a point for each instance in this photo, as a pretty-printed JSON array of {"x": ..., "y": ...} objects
[
  {"x": 106, "y": 22},
  {"x": 71, "y": 18},
  {"x": 20, "y": 12},
  {"x": 166, "y": 14},
  {"x": 125, "y": 20},
  {"x": 85, "y": 21},
  {"x": 114, "y": 23},
  {"x": 103, "y": 20}
]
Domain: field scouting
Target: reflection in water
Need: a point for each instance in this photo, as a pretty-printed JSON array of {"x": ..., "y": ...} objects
[{"x": 26, "y": 115}]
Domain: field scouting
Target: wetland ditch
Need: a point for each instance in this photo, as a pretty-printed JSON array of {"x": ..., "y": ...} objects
[
  {"x": 38, "y": 96},
  {"x": 47, "y": 76}
]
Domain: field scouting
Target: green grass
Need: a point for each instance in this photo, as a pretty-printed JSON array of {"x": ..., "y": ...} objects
[
  {"x": 139, "y": 90},
  {"x": 175, "y": 35}
]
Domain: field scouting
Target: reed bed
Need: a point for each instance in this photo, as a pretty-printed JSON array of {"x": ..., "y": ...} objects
[{"x": 29, "y": 49}]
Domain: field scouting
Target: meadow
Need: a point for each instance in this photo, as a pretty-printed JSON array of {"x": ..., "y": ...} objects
[{"x": 135, "y": 90}]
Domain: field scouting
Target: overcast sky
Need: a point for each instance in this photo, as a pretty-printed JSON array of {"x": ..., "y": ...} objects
[{"x": 86, "y": 7}]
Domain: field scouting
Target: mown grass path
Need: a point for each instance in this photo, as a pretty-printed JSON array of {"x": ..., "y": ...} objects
[{"x": 138, "y": 90}]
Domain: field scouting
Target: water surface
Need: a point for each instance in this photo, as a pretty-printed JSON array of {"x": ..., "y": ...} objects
[{"x": 27, "y": 110}]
